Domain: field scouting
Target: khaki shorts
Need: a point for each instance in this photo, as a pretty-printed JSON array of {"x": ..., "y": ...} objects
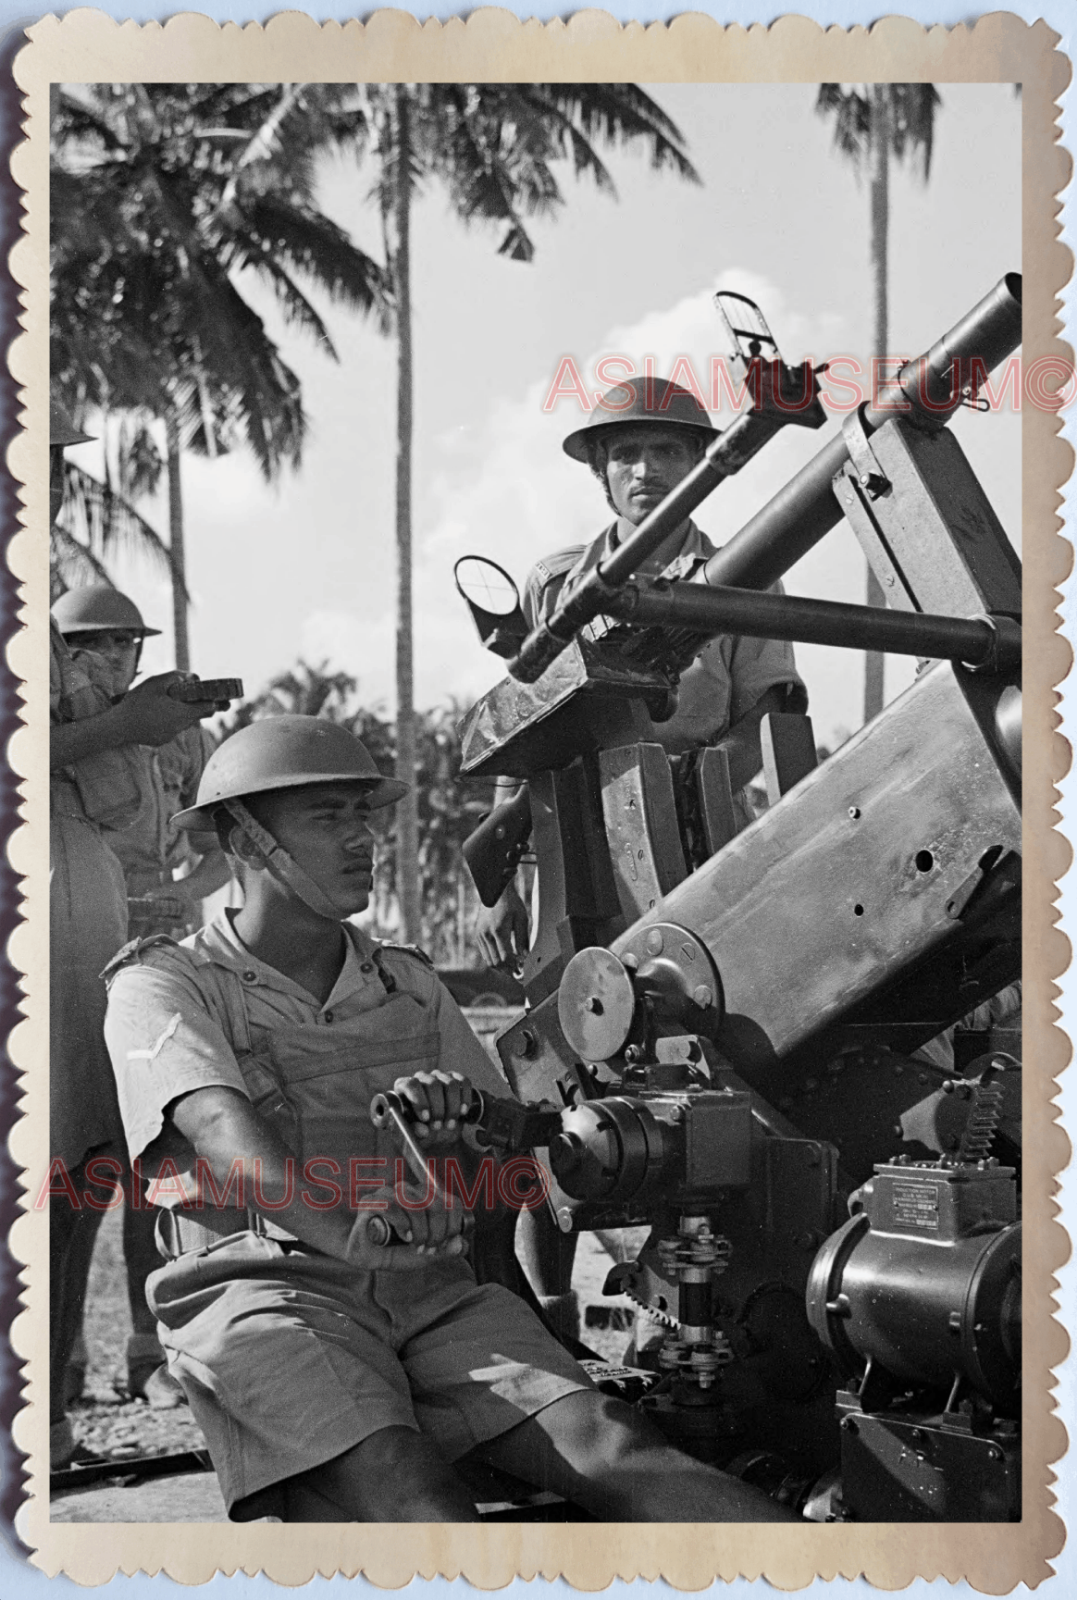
[{"x": 289, "y": 1358}]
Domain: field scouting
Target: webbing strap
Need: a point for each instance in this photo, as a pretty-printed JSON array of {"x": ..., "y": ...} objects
[{"x": 281, "y": 864}]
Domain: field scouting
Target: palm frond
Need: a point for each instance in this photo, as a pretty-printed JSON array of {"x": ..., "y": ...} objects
[
  {"x": 851, "y": 111},
  {"x": 314, "y": 246},
  {"x": 100, "y": 520},
  {"x": 910, "y": 110},
  {"x": 912, "y": 122},
  {"x": 71, "y": 564},
  {"x": 618, "y": 114},
  {"x": 297, "y": 309}
]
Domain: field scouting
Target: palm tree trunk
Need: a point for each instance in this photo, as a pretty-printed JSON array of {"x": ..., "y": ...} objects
[
  {"x": 176, "y": 555},
  {"x": 880, "y": 219},
  {"x": 407, "y": 820}
]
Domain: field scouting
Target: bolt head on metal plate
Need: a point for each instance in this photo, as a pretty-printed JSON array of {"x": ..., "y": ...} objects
[{"x": 596, "y": 1004}]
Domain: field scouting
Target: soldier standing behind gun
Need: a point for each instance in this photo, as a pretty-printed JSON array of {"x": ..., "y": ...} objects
[
  {"x": 98, "y": 619},
  {"x": 646, "y": 435}
]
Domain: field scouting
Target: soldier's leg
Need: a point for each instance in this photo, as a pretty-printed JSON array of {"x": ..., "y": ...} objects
[
  {"x": 547, "y": 1256},
  {"x": 606, "y": 1457},
  {"x": 72, "y": 1231},
  {"x": 394, "y": 1475},
  {"x": 147, "y": 1374}
]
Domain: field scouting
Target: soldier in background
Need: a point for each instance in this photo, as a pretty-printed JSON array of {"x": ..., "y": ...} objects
[
  {"x": 645, "y": 436},
  {"x": 97, "y": 620},
  {"x": 95, "y": 781}
]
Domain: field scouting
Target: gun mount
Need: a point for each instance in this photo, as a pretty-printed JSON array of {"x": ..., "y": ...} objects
[{"x": 739, "y": 1025}]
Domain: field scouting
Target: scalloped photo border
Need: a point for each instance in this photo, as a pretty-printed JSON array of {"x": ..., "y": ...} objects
[{"x": 493, "y": 44}]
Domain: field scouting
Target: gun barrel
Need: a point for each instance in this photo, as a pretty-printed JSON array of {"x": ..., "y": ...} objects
[
  {"x": 927, "y": 391},
  {"x": 724, "y": 456},
  {"x": 977, "y": 641}
]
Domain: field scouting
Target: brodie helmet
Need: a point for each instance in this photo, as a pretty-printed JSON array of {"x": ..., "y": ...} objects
[
  {"x": 98, "y": 608},
  {"x": 62, "y": 430},
  {"x": 637, "y": 400},
  {"x": 285, "y": 752}
]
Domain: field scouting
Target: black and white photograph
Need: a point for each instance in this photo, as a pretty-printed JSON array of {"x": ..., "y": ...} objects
[{"x": 535, "y": 921}]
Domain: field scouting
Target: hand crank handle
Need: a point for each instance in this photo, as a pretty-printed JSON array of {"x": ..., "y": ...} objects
[{"x": 384, "y": 1104}]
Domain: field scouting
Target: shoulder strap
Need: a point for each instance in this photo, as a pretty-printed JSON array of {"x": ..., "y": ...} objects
[
  {"x": 128, "y": 955},
  {"x": 555, "y": 566},
  {"x": 409, "y": 950},
  {"x": 229, "y": 988}
]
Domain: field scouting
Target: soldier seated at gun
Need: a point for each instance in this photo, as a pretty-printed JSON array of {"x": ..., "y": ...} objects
[
  {"x": 338, "y": 1377},
  {"x": 646, "y": 435}
]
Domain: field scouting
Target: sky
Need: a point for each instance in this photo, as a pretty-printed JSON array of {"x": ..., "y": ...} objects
[{"x": 305, "y": 568}]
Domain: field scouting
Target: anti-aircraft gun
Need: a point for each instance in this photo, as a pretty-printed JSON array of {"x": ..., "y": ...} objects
[{"x": 726, "y": 1030}]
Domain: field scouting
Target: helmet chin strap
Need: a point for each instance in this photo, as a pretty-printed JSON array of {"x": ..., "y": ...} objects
[{"x": 283, "y": 866}]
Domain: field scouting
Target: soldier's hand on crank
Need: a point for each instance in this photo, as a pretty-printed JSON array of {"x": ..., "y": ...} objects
[
  {"x": 503, "y": 930},
  {"x": 438, "y": 1103},
  {"x": 422, "y": 1231}
]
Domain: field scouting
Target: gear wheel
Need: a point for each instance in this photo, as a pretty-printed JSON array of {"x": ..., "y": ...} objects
[{"x": 984, "y": 1118}]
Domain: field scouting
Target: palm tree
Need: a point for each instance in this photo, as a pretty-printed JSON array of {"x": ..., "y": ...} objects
[
  {"x": 96, "y": 519},
  {"x": 493, "y": 147},
  {"x": 162, "y": 197},
  {"x": 872, "y": 122}
]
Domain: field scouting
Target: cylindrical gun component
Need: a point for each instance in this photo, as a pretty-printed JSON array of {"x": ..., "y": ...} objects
[
  {"x": 805, "y": 510},
  {"x": 921, "y": 1312},
  {"x": 977, "y": 642},
  {"x": 694, "y": 1301},
  {"x": 723, "y": 456},
  {"x": 607, "y": 1149},
  {"x": 1008, "y": 724}
]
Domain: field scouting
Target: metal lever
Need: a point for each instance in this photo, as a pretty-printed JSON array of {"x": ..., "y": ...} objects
[{"x": 387, "y": 1110}]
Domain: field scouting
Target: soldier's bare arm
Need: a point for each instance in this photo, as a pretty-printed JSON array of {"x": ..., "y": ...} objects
[{"x": 223, "y": 1127}]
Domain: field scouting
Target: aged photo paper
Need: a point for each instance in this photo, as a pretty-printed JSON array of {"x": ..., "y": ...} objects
[{"x": 312, "y": 314}]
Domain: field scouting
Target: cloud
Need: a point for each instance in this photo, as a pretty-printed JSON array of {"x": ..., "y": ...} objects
[{"x": 505, "y": 489}]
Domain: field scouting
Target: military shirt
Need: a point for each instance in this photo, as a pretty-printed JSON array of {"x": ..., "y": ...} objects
[
  {"x": 728, "y": 677},
  {"x": 107, "y": 787},
  {"x": 206, "y": 1012},
  {"x": 171, "y": 775}
]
